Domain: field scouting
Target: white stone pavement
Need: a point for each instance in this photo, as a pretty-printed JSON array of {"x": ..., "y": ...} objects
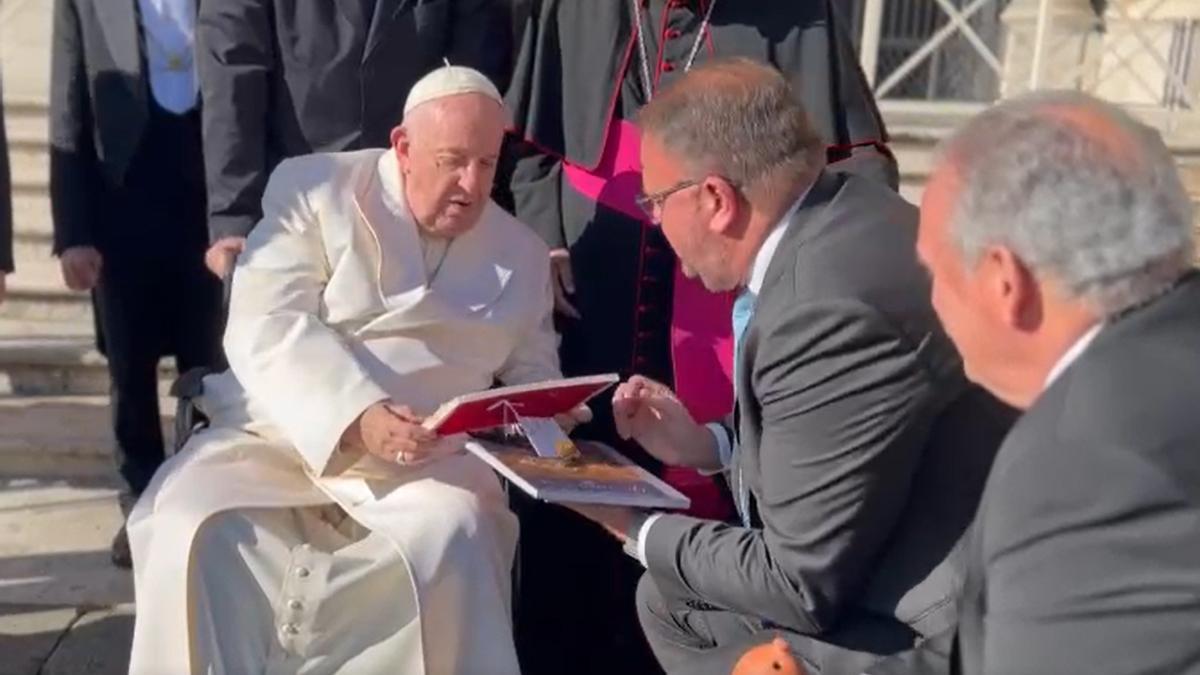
[{"x": 64, "y": 609}]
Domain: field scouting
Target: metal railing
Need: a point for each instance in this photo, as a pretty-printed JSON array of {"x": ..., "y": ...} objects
[{"x": 950, "y": 55}]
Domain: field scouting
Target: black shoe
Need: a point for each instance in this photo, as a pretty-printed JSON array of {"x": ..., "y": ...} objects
[{"x": 121, "y": 556}]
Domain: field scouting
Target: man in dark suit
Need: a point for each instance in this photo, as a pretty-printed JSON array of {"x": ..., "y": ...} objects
[
  {"x": 6, "y": 229},
  {"x": 283, "y": 78},
  {"x": 860, "y": 450},
  {"x": 1059, "y": 239},
  {"x": 127, "y": 198}
]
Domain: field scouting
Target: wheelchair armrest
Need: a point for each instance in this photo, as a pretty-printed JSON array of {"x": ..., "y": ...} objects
[{"x": 186, "y": 389}]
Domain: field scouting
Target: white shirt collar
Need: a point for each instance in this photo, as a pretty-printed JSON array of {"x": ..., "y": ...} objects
[
  {"x": 1071, "y": 355},
  {"x": 762, "y": 260}
]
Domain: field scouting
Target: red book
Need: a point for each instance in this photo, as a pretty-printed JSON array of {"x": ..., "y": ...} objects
[{"x": 497, "y": 407}]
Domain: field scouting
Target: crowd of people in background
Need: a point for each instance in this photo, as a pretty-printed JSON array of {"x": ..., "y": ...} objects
[{"x": 953, "y": 439}]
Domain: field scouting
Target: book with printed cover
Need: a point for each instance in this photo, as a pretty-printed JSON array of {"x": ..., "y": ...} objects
[
  {"x": 598, "y": 475},
  {"x": 497, "y": 407},
  {"x": 513, "y": 431}
]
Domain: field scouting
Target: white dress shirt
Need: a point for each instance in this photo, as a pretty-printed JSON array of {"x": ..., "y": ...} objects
[
  {"x": 758, "y": 275},
  {"x": 169, "y": 30},
  {"x": 1071, "y": 355}
]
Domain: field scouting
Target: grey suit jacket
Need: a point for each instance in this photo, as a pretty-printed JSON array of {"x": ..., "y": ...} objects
[
  {"x": 861, "y": 443},
  {"x": 282, "y": 78},
  {"x": 95, "y": 57},
  {"x": 1087, "y": 556}
]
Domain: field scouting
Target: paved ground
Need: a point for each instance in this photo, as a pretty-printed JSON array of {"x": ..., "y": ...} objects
[{"x": 64, "y": 609}]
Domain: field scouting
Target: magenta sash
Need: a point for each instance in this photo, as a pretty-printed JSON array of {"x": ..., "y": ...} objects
[{"x": 701, "y": 334}]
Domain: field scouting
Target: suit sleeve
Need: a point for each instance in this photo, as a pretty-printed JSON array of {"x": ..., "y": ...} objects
[
  {"x": 535, "y": 183},
  {"x": 289, "y": 360},
  {"x": 74, "y": 170},
  {"x": 481, "y": 37},
  {"x": 842, "y": 400},
  {"x": 6, "y": 222},
  {"x": 235, "y": 56},
  {"x": 537, "y": 193},
  {"x": 1088, "y": 564}
]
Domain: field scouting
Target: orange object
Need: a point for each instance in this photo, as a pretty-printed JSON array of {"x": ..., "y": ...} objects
[{"x": 772, "y": 658}]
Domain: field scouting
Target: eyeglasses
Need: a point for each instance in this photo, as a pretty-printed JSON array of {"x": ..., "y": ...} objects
[{"x": 652, "y": 203}]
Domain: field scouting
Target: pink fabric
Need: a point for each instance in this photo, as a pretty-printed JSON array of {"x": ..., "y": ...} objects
[{"x": 701, "y": 334}]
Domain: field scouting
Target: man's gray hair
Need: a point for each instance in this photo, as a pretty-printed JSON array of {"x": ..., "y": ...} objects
[
  {"x": 736, "y": 117},
  {"x": 1079, "y": 191}
]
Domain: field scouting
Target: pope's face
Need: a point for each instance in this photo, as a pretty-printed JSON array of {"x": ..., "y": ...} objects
[{"x": 448, "y": 150}]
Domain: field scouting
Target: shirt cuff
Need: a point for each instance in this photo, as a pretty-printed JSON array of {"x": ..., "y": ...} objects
[
  {"x": 643, "y": 532},
  {"x": 724, "y": 447}
]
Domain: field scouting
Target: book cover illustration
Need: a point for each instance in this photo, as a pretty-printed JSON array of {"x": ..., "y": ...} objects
[{"x": 596, "y": 475}]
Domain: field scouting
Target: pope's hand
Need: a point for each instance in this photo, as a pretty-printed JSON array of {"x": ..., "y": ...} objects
[
  {"x": 391, "y": 432},
  {"x": 651, "y": 414}
]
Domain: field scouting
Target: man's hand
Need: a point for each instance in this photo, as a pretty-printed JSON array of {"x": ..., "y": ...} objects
[
  {"x": 616, "y": 520},
  {"x": 563, "y": 281},
  {"x": 220, "y": 256},
  {"x": 580, "y": 414},
  {"x": 81, "y": 267},
  {"x": 652, "y": 415},
  {"x": 391, "y": 432}
]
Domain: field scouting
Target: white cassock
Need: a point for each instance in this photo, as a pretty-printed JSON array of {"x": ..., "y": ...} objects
[{"x": 240, "y": 562}]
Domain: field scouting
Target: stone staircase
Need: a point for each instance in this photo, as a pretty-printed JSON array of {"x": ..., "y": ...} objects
[{"x": 53, "y": 381}]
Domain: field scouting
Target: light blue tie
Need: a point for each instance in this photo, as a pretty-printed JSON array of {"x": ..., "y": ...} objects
[{"x": 743, "y": 309}]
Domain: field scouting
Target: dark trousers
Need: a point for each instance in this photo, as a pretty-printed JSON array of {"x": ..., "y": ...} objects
[
  {"x": 574, "y": 603},
  {"x": 692, "y": 637},
  {"x": 684, "y": 631},
  {"x": 147, "y": 308}
]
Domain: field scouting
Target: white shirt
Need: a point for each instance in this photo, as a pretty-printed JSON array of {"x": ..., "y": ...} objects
[
  {"x": 758, "y": 275},
  {"x": 169, "y": 30},
  {"x": 1071, "y": 355}
]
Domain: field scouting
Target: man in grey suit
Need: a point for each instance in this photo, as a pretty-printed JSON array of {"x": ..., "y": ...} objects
[
  {"x": 1059, "y": 238},
  {"x": 860, "y": 449},
  {"x": 283, "y": 78}
]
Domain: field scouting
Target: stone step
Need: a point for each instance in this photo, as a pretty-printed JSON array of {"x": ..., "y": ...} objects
[
  {"x": 30, "y": 168},
  {"x": 27, "y": 122},
  {"x": 63, "y": 436},
  {"x": 31, "y": 215},
  {"x": 60, "y": 365},
  {"x": 36, "y": 292}
]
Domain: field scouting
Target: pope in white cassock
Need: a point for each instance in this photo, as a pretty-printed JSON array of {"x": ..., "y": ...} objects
[{"x": 314, "y": 526}]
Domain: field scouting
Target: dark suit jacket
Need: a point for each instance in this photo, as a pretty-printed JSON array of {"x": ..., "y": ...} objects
[
  {"x": 98, "y": 110},
  {"x": 282, "y": 78},
  {"x": 6, "y": 225},
  {"x": 1086, "y": 557},
  {"x": 862, "y": 445}
]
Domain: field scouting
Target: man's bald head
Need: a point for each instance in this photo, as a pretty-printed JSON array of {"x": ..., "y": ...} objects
[{"x": 1078, "y": 189}]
